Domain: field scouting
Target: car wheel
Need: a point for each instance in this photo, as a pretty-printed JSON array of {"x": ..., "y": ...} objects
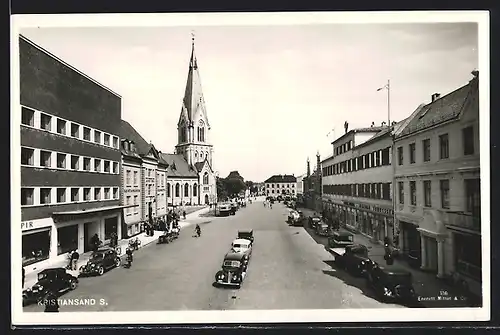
[
  {"x": 118, "y": 262},
  {"x": 100, "y": 271},
  {"x": 73, "y": 284}
]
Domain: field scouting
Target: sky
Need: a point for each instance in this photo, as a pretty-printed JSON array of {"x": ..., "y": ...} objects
[{"x": 273, "y": 93}]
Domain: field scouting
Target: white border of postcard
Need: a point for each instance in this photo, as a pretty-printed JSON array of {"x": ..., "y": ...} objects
[{"x": 258, "y": 316}]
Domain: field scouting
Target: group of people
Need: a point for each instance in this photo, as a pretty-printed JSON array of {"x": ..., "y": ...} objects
[{"x": 268, "y": 203}]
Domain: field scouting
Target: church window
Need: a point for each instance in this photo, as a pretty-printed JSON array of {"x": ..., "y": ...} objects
[
  {"x": 205, "y": 178},
  {"x": 195, "y": 190},
  {"x": 177, "y": 190},
  {"x": 201, "y": 132},
  {"x": 168, "y": 190},
  {"x": 186, "y": 190},
  {"x": 201, "y": 155}
]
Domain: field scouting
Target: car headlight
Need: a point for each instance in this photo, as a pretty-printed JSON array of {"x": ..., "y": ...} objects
[
  {"x": 235, "y": 277},
  {"x": 387, "y": 292},
  {"x": 40, "y": 287},
  {"x": 92, "y": 265}
]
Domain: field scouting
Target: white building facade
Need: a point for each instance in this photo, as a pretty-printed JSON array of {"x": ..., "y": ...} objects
[{"x": 281, "y": 185}]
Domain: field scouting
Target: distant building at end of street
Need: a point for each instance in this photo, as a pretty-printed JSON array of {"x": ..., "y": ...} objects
[{"x": 281, "y": 185}]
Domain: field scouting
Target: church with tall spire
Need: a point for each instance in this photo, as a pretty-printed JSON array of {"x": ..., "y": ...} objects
[{"x": 194, "y": 151}]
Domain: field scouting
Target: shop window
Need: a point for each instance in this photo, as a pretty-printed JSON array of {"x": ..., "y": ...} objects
[
  {"x": 426, "y": 146},
  {"x": 61, "y": 195},
  {"x": 67, "y": 239},
  {"x": 97, "y": 136},
  {"x": 61, "y": 127},
  {"x": 106, "y": 139},
  {"x": 45, "y": 122},
  {"x": 27, "y": 194},
  {"x": 468, "y": 255},
  {"x": 400, "y": 155},
  {"x": 61, "y": 161},
  {"x": 45, "y": 158},
  {"x": 444, "y": 147},
  {"x": 115, "y": 169},
  {"x": 27, "y": 117},
  {"x": 106, "y": 193},
  {"x": 45, "y": 196},
  {"x": 27, "y": 156},
  {"x": 97, "y": 165},
  {"x": 401, "y": 192},
  {"x": 468, "y": 140},
  {"x": 444, "y": 187},
  {"x": 35, "y": 247},
  {"x": 427, "y": 193},
  {"x": 97, "y": 193},
  {"x": 413, "y": 193},
  {"x": 473, "y": 196},
  {"x": 412, "y": 153},
  {"x": 86, "y": 164},
  {"x": 75, "y": 130},
  {"x": 75, "y": 194},
  {"x": 74, "y": 162},
  {"x": 86, "y": 194},
  {"x": 115, "y": 193},
  {"x": 86, "y": 133}
]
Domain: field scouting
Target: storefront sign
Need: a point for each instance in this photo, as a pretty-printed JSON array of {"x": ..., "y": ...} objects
[{"x": 35, "y": 224}]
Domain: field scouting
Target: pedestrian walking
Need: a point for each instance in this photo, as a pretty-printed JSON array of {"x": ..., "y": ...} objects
[
  {"x": 75, "y": 256},
  {"x": 184, "y": 214}
]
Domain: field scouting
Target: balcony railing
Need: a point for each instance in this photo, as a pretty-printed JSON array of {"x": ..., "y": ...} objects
[{"x": 464, "y": 220}]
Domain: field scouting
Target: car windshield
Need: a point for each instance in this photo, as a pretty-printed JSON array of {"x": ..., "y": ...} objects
[
  {"x": 97, "y": 256},
  {"x": 344, "y": 238},
  {"x": 398, "y": 278},
  {"x": 240, "y": 246},
  {"x": 359, "y": 251},
  {"x": 42, "y": 276},
  {"x": 231, "y": 264}
]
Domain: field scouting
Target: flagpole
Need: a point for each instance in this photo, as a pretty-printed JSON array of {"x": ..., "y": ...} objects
[{"x": 388, "y": 102}]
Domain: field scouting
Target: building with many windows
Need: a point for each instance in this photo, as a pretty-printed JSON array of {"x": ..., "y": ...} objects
[
  {"x": 438, "y": 197},
  {"x": 70, "y": 158},
  {"x": 281, "y": 185},
  {"x": 300, "y": 184}
]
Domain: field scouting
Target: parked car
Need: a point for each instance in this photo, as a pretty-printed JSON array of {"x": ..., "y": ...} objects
[
  {"x": 292, "y": 216},
  {"x": 322, "y": 229},
  {"x": 233, "y": 270},
  {"x": 353, "y": 258},
  {"x": 224, "y": 209},
  {"x": 241, "y": 245},
  {"x": 340, "y": 239},
  {"x": 314, "y": 221},
  {"x": 100, "y": 261},
  {"x": 393, "y": 285},
  {"x": 54, "y": 279},
  {"x": 299, "y": 222},
  {"x": 246, "y": 234}
]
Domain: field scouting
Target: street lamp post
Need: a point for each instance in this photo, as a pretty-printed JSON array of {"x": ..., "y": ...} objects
[{"x": 388, "y": 88}]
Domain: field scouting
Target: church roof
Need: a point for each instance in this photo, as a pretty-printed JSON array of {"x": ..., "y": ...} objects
[
  {"x": 178, "y": 166},
  {"x": 199, "y": 165},
  {"x": 193, "y": 95}
]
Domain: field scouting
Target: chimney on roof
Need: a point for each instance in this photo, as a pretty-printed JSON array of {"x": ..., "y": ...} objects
[
  {"x": 393, "y": 123},
  {"x": 346, "y": 126},
  {"x": 383, "y": 123},
  {"x": 373, "y": 124},
  {"x": 435, "y": 96}
]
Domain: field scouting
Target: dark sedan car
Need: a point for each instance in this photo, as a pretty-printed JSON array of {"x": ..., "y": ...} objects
[
  {"x": 55, "y": 280},
  {"x": 100, "y": 261},
  {"x": 354, "y": 259},
  {"x": 233, "y": 271}
]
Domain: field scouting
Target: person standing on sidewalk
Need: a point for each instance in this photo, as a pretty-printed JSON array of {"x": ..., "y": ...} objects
[
  {"x": 75, "y": 256},
  {"x": 184, "y": 214},
  {"x": 388, "y": 251}
]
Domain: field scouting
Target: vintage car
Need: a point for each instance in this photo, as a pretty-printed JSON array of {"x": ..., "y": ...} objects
[
  {"x": 233, "y": 271},
  {"x": 353, "y": 258},
  {"x": 54, "y": 279},
  {"x": 393, "y": 285},
  {"x": 314, "y": 221},
  {"x": 322, "y": 229},
  {"x": 101, "y": 260},
  {"x": 242, "y": 246},
  {"x": 224, "y": 209},
  {"x": 292, "y": 216},
  {"x": 234, "y": 208},
  {"x": 299, "y": 222},
  {"x": 246, "y": 234},
  {"x": 340, "y": 239}
]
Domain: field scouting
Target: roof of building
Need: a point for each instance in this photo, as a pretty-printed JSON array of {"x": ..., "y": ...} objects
[
  {"x": 178, "y": 166},
  {"x": 373, "y": 129},
  {"x": 199, "y": 166},
  {"x": 278, "y": 178},
  {"x": 442, "y": 109},
  {"x": 129, "y": 133}
]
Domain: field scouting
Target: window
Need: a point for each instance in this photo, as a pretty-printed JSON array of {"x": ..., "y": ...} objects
[
  {"x": 97, "y": 165},
  {"x": 106, "y": 139},
  {"x": 385, "y": 156},
  {"x": 45, "y": 195},
  {"x": 412, "y": 153},
  {"x": 186, "y": 190},
  {"x": 115, "y": 193},
  {"x": 473, "y": 196},
  {"x": 86, "y": 133},
  {"x": 426, "y": 145},
  {"x": 27, "y": 196},
  {"x": 86, "y": 163},
  {"x": 136, "y": 203},
  {"x": 75, "y": 129},
  {"x": 135, "y": 177},
  {"x": 150, "y": 190},
  {"x": 127, "y": 177},
  {"x": 128, "y": 203},
  {"x": 115, "y": 142},
  {"x": 61, "y": 194},
  {"x": 61, "y": 161},
  {"x": 400, "y": 155},
  {"x": 115, "y": 167},
  {"x": 377, "y": 157},
  {"x": 106, "y": 193},
  {"x": 27, "y": 117},
  {"x": 97, "y": 193},
  {"x": 45, "y": 122},
  {"x": 61, "y": 127},
  {"x": 75, "y": 196},
  {"x": 45, "y": 158},
  {"x": 205, "y": 178},
  {"x": 107, "y": 166},
  {"x": 444, "y": 186},
  {"x": 413, "y": 193},
  {"x": 74, "y": 162},
  {"x": 444, "y": 149},
  {"x": 27, "y": 156},
  {"x": 401, "y": 192},
  {"x": 97, "y": 136},
  {"x": 177, "y": 190},
  {"x": 195, "y": 190},
  {"x": 168, "y": 190},
  {"x": 86, "y": 194},
  {"x": 468, "y": 140},
  {"x": 427, "y": 193}
]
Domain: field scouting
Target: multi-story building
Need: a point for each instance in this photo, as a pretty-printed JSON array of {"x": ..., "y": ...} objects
[
  {"x": 438, "y": 186},
  {"x": 300, "y": 184},
  {"x": 281, "y": 185},
  {"x": 70, "y": 158},
  {"x": 144, "y": 180}
]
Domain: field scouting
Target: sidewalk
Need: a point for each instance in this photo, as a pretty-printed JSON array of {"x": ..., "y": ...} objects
[
  {"x": 427, "y": 285},
  {"x": 62, "y": 261}
]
